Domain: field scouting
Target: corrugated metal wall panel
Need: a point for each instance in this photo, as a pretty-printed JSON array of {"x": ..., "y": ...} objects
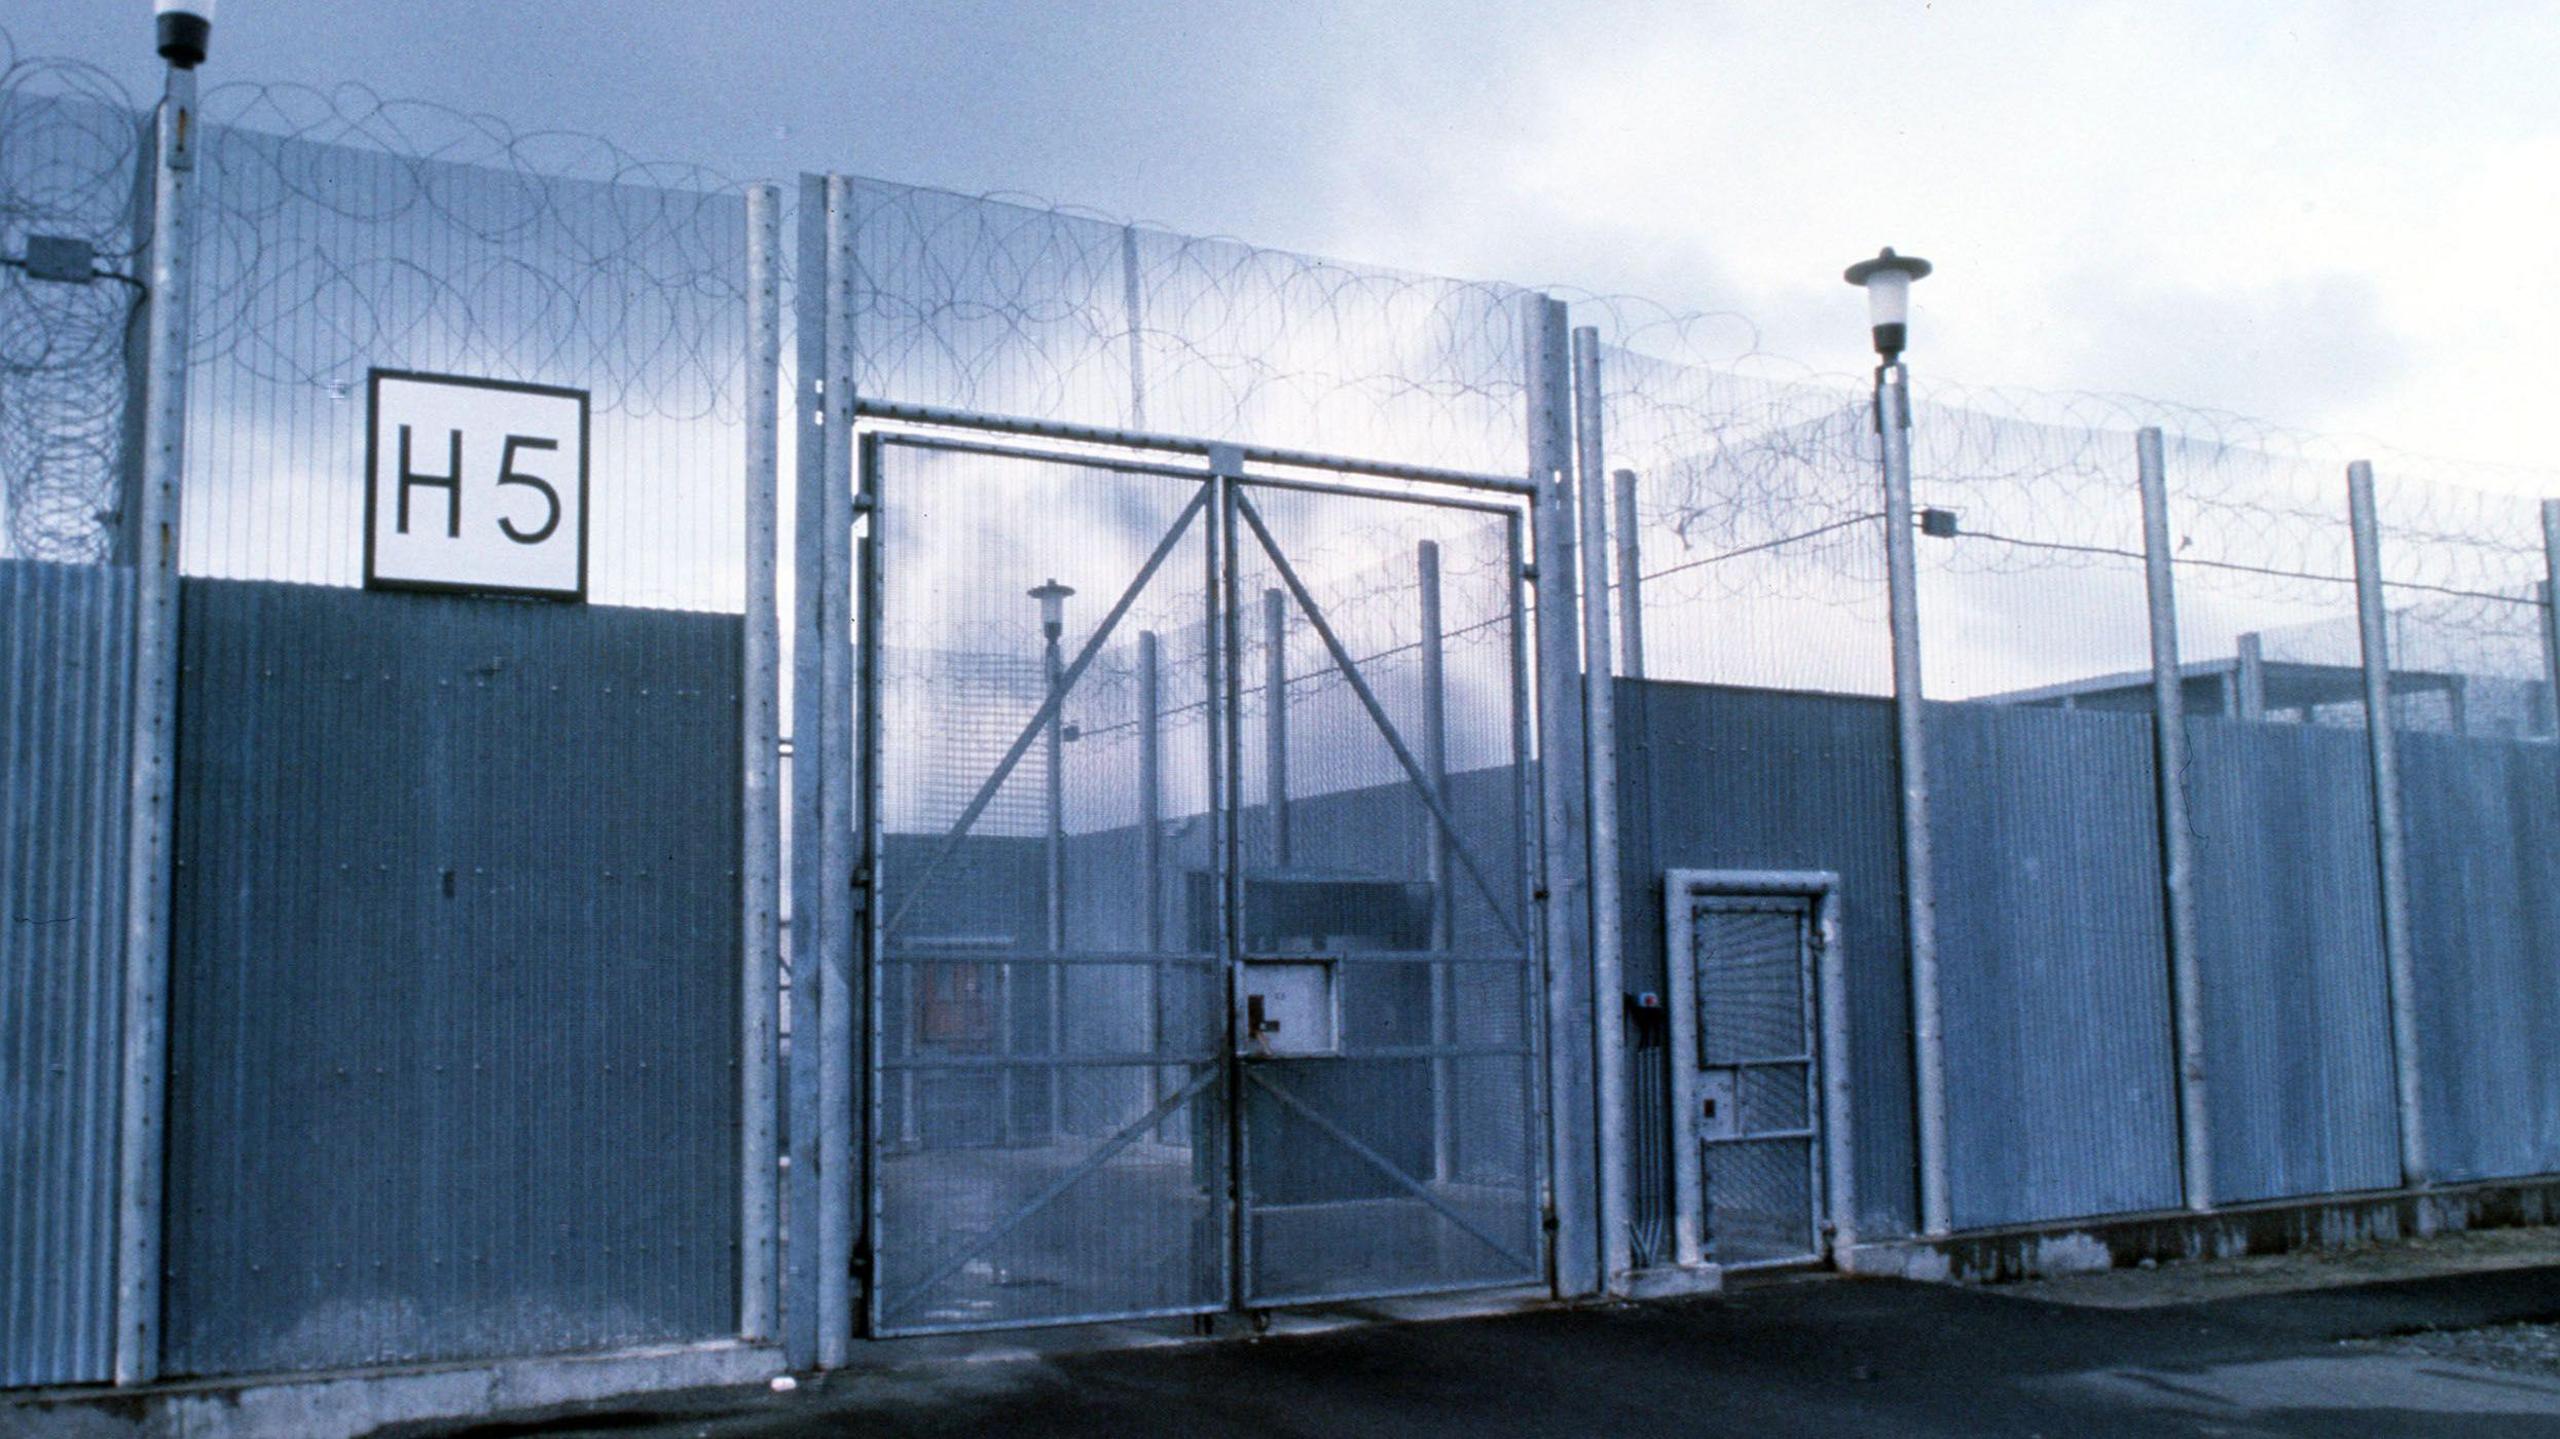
[
  {"x": 2297, "y": 1003},
  {"x": 2484, "y": 882},
  {"x": 2061, "y": 1088},
  {"x": 454, "y": 1021},
  {"x": 1719, "y": 778},
  {"x": 66, "y": 674}
]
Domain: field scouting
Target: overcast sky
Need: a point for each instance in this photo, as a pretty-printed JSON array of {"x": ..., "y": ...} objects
[{"x": 2335, "y": 215}]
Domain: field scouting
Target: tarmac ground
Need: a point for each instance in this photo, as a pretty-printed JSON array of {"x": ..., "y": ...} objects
[{"x": 2431, "y": 1337}]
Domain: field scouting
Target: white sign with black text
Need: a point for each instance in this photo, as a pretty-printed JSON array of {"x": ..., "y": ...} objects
[{"x": 476, "y": 485}]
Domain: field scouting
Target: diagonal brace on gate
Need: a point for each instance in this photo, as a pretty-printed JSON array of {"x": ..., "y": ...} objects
[
  {"x": 1049, "y": 707},
  {"x": 1383, "y": 1165},
  {"x": 959, "y": 1258},
  {"x": 1350, "y": 668}
]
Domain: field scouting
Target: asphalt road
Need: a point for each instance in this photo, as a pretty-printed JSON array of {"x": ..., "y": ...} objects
[{"x": 1827, "y": 1357}]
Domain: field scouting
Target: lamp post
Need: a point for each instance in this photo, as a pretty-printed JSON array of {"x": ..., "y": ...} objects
[
  {"x": 1053, "y": 610},
  {"x": 1887, "y": 280},
  {"x": 181, "y": 30},
  {"x": 1053, "y": 616}
]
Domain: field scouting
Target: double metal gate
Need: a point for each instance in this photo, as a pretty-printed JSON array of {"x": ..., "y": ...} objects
[{"x": 1200, "y": 939}]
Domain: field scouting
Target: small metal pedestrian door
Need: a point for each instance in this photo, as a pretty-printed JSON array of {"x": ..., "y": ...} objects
[{"x": 1756, "y": 1119}]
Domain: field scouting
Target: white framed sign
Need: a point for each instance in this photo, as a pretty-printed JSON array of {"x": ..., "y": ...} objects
[{"x": 477, "y": 486}]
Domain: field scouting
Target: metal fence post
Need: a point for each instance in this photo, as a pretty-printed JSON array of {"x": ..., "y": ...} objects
[
  {"x": 1151, "y": 851},
  {"x": 1911, "y": 752},
  {"x": 760, "y": 785},
  {"x": 2389, "y": 824},
  {"x": 2551, "y": 605},
  {"x": 1600, "y": 736},
  {"x": 2177, "y": 840},
  {"x": 143, "y": 1089},
  {"x": 808, "y": 766},
  {"x": 1563, "y": 879},
  {"x": 1133, "y": 299},
  {"x": 2249, "y": 663},
  {"x": 837, "y": 1001},
  {"x": 1444, "y": 895},
  {"x": 1275, "y": 723},
  {"x": 1630, "y": 577}
]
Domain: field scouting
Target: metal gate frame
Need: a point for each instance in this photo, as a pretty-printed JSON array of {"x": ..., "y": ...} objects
[
  {"x": 1223, "y": 500},
  {"x": 1238, "y": 505},
  {"x": 1835, "y": 1170}
]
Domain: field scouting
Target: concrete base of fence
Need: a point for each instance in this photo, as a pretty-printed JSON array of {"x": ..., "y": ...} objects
[
  {"x": 1671, "y": 1281},
  {"x": 1999, "y": 1256},
  {"x": 349, "y": 1403}
]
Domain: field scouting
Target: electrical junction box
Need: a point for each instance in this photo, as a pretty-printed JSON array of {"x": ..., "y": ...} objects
[{"x": 61, "y": 258}]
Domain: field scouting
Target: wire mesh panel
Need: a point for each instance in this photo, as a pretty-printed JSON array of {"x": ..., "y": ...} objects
[
  {"x": 1048, "y": 1119},
  {"x": 319, "y": 261},
  {"x": 1757, "y": 529},
  {"x": 1010, "y": 309},
  {"x": 1385, "y": 976},
  {"x": 1756, "y": 1123}
]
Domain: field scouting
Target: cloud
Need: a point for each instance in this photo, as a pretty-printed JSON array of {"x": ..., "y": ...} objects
[{"x": 2316, "y": 350}]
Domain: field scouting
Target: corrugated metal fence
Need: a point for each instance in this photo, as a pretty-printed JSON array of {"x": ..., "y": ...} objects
[
  {"x": 2484, "y": 879},
  {"x": 2061, "y": 1092},
  {"x": 1717, "y": 778},
  {"x": 65, "y": 704},
  {"x": 454, "y": 1037},
  {"x": 2060, "y": 1049},
  {"x": 2297, "y": 1010}
]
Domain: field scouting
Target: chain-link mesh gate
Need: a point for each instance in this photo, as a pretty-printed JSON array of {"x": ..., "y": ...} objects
[{"x": 1114, "y": 897}]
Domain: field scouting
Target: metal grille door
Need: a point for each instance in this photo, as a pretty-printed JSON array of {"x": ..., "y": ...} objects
[
  {"x": 1756, "y": 1116},
  {"x": 1048, "y": 1120},
  {"x": 1384, "y": 970}
]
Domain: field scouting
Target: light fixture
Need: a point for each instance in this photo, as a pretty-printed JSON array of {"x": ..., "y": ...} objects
[
  {"x": 1053, "y": 607},
  {"x": 184, "y": 28},
  {"x": 1887, "y": 280}
]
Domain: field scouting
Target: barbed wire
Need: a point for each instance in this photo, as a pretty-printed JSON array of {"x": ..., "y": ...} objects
[
  {"x": 341, "y": 226},
  {"x": 68, "y": 153}
]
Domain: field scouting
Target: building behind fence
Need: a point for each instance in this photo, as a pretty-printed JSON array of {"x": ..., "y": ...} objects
[{"x": 460, "y": 1060}]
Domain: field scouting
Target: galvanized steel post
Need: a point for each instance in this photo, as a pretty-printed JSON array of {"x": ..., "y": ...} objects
[
  {"x": 1151, "y": 846},
  {"x": 1600, "y": 732},
  {"x": 1563, "y": 878},
  {"x": 1053, "y": 832},
  {"x": 1911, "y": 753},
  {"x": 838, "y": 1003},
  {"x": 1444, "y": 895},
  {"x": 2389, "y": 825},
  {"x": 2250, "y": 663},
  {"x": 1275, "y": 723},
  {"x": 1839, "y": 1082},
  {"x": 1133, "y": 300},
  {"x": 760, "y": 784},
  {"x": 142, "y": 1091},
  {"x": 2551, "y": 605},
  {"x": 2177, "y": 840},
  {"x": 808, "y": 768},
  {"x": 1630, "y": 577}
]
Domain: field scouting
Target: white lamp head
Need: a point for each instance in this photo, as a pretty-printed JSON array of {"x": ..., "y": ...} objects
[
  {"x": 1887, "y": 280},
  {"x": 1053, "y": 607}
]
